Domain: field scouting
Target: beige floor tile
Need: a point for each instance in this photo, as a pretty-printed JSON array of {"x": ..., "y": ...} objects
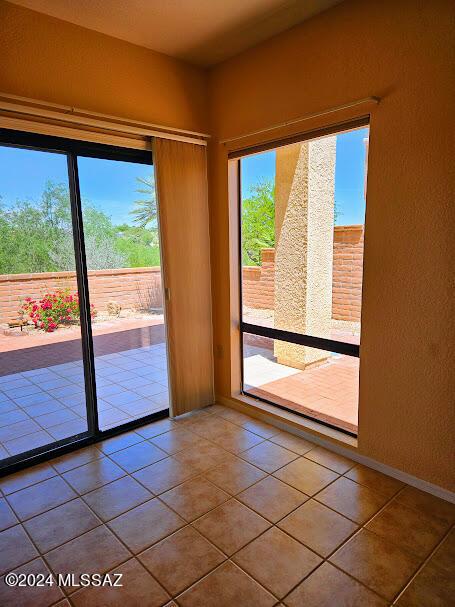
[
  {"x": 145, "y": 525},
  {"x": 176, "y": 440},
  {"x": 117, "y": 497},
  {"x": 41, "y": 497},
  {"x": 122, "y": 441},
  {"x": 26, "y": 478},
  {"x": 329, "y": 459},
  {"x": 155, "y": 428},
  {"x": 238, "y": 441},
  {"x": 75, "y": 459},
  {"x": 7, "y": 516},
  {"x": 429, "y": 504},
  {"x": 306, "y": 476},
  {"x": 231, "y": 526},
  {"x": 97, "y": 551},
  {"x": 377, "y": 563},
  {"x": 194, "y": 498},
  {"x": 227, "y": 586},
  {"x": 318, "y": 527},
  {"x": 234, "y": 476},
  {"x": 15, "y": 549},
  {"x": 210, "y": 427},
  {"x": 260, "y": 428},
  {"x": 272, "y": 498},
  {"x": 444, "y": 557},
  {"x": 330, "y": 587},
  {"x": 352, "y": 500},
  {"x": 236, "y": 417},
  {"x": 139, "y": 589},
  {"x": 95, "y": 474},
  {"x": 42, "y": 596},
  {"x": 164, "y": 475},
  {"x": 411, "y": 529},
  {"x": 431, "y": 587},
  {"x": 181, "y": 559},
  {"x": 204, "y": 456},
  {"x": 381, "y": 483},
  {"x": 277, "y": 561},
  {"x": 269, "y": 456},
  {"x": 293, "y": 443},
  {"x": 57, "y": 526},
  {"x": 138, "y": 456}
]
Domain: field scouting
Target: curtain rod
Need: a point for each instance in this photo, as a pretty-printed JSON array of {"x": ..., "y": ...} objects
[
  {"x": 346, "y": 106},
  {"x": 43, "y": 109}
]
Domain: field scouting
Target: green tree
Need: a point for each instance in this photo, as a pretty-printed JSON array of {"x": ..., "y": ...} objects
[
  {"x": 258, "y": 222},
  {"x": 145, "y": 211}
]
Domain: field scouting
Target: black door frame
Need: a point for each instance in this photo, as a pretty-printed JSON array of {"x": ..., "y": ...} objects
[
  {"x": 311, "y": 341},
  {"x": 72, "y": 149}
]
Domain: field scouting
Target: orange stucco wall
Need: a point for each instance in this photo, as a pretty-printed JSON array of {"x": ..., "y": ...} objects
[
  {"x": 49, "y": 59},
  {"x": 403, "y": 52}
]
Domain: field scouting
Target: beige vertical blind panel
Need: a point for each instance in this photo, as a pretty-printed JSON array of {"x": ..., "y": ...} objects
[{"x": 181, "y": 182}]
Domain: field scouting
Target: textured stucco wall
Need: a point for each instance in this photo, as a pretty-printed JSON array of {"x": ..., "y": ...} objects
[
  {"x": 403, "y": 52},
  {"x": 304, "y": 213}
]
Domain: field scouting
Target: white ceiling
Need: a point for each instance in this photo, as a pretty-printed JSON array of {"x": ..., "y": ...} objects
[{"x": 203, "y": 32}]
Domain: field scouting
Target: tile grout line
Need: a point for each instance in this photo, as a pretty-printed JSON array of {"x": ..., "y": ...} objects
[
  {"x": 199, "y": 473},
  {"x": 423, "y": 564}
]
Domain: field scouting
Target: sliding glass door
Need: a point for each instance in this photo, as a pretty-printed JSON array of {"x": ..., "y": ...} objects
[
  {"x": 82, "y": 339},
  {"x": 42, "y": 396},
  {"x": 122, "y": 251}
]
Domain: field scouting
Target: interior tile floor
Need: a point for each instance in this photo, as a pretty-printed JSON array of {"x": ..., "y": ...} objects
[
  {"x": 218, "y": 509},
  {"x": 42, "y": 405}
]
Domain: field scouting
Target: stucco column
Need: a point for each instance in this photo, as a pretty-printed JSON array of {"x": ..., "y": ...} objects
[{"x": 304, "y": 219}]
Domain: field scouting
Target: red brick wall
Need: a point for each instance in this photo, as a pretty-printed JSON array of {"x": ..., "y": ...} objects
[
  {"x": 347, "y": 272},
  {"x": 258, "y": 281},
  {"x": 130, "y": 287}
]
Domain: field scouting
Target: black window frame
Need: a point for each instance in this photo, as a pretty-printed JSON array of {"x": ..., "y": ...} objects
[{"x": 312, "y": 341}]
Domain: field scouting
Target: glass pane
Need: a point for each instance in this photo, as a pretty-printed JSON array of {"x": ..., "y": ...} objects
[
  {"x": 124, "y": 275},
  {"x": 303, "y": 215},
  {"x": 42, "y": 395},
  {"x": 325, "y": 387}
]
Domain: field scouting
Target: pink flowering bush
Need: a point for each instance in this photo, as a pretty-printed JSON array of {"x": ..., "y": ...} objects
[{"x": 54, "y": 309}]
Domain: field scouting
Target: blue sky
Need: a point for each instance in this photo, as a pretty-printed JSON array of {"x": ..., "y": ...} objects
[
  {"x": 349, "y": 175},
  {"x": 109, "y": 185}
]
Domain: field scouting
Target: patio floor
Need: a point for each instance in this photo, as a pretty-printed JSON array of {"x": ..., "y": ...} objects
[
  {"x": 328, "y": 392},
  {"x": 42, "y": 392}
]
